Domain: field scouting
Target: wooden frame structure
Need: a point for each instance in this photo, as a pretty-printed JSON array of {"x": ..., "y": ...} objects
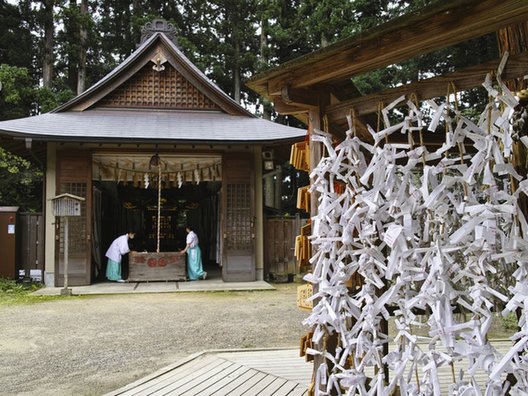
[
  {"x": 317, "y": 88},
  {"x": 319, "y": 84}
]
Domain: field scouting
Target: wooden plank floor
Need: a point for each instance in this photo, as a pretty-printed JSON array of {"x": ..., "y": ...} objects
[
  {"x": 264, "y": 373},
  {"x": 281, "y": 363}
]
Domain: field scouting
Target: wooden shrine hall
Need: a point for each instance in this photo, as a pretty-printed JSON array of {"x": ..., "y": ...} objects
[{"x": 153, "y": 146}]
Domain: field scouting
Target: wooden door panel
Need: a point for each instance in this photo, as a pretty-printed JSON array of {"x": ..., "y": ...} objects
[
  {"x": 279, "y": 245},
  {"x": 74, "y": 177},
  {"x": 238, "y": 204}
]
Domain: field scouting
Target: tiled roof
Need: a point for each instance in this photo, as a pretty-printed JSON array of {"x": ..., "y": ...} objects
[
  {"x": 147, "y": 125},
  {"x": 86, "y": 118}
]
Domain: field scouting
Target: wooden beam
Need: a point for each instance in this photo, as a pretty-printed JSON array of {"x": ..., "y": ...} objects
[
  {"x": 436, "y": 27},
  {"x": 299, "y": 97},
  {"x": 287, "y": 109},
  {"x": 517, "y": 66}
]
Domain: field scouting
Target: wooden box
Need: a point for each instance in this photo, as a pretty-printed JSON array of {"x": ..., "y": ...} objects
[{"x": 163, "y": 266}]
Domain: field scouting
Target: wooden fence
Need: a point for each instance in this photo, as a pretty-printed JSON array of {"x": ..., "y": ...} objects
[
  {"x": 279, "y": 245},
  {"x": 31, "y": 243}
]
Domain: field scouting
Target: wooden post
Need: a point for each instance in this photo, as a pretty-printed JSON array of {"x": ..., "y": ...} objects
[
  {"x": 314, "y": 122},
  {"x": 159, "y": 209},
  {"x": 65, "y": 291},
  {"x": 316, "y": 152},
  {"x": 513, "y": 39}
]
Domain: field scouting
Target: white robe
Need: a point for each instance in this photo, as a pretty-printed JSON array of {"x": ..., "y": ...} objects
[
  {"x": 118, "y": 248},
  {"x": 192, "y": 239}
]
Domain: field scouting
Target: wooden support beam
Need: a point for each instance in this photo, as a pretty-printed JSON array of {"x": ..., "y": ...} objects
[
  {"x": 287, "y": 109},
  {"x": 299, "y": 97},
  {"x": 440, "y": 26},
  {"x": 517, "y": 66}
]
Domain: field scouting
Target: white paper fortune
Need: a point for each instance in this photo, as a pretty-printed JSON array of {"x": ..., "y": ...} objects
[{"x": 424, "y": 232}]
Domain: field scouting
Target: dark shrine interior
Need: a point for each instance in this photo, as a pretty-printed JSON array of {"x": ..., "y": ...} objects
[{"x": 120, "y": 208}]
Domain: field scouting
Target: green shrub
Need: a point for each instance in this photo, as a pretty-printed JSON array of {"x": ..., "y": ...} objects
[
  {"x": 12, "y": 292},
  {"x": 509, "y": 322}
]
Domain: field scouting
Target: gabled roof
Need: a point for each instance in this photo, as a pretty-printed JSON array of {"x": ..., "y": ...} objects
[
  {"x": 156, "y": 48},
  {"x": 155, "y": 95}
]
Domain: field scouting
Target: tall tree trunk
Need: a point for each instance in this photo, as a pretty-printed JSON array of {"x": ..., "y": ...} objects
[
  {"x": 324, "y": 40},
  {"x": 136, "y": 13},
  {"x": 72, "y": 28},
  {"x": 83, "y": 36},
  {"x": 266, "y": 105},
  {"x": 128, "y": 30},
  {"x": 47, "y": 65},
  {"x": 237, "y": 86}
]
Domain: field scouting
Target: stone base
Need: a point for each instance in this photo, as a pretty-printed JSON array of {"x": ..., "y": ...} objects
[{"x": 49, "y": 279}]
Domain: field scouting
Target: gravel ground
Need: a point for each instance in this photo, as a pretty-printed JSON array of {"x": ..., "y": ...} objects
[{"x": 92, "y": 345}]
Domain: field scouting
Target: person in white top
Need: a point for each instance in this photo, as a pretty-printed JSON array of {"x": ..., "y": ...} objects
[
  {"x": 194, "y": 256},
  {"x": 115, "y": 252}
]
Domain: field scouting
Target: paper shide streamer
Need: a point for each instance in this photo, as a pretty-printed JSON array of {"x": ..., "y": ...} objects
[{"x": 427, "y": 232}]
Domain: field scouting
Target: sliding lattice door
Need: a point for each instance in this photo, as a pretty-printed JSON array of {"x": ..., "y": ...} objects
[
  {"x": 238, "y": 218},
  {"x": 74, "y": 177}
]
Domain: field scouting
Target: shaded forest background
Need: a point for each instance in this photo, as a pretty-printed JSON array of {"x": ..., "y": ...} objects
[{"x": 52, "y": 50}]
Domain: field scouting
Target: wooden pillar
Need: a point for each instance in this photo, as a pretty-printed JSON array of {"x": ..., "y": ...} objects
[
  {"x": 316, "y": 150},
  {"x": 259, "y": 215},
  {"x": 315, "y": 116},
  {"x": 49, "y": 218},
  {"x": 514, "y": 40}
]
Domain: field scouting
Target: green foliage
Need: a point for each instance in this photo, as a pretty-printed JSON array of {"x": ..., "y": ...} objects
[
  {"x": 48, "y": 99},
  {"x": 509, "y": 322},
  {"x": 15, "y": 37},
  {"x": 12, "y": 293},
  {"x": 227, "y": 39},
  {"x": 20, "y": 183},
  {"x": 17, "y": 94}
]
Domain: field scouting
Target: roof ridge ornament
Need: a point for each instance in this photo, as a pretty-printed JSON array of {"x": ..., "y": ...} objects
[{"x": 158, "y": 26}]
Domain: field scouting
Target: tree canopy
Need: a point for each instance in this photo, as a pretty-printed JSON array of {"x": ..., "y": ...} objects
[
  {"x": 68, "y": 45},
  {"x": 52, "y": 50}
]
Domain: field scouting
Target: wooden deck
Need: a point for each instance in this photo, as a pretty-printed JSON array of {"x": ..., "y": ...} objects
[
  {"x": 275, "y": 372},
  {"x": 263, "y": 372}
]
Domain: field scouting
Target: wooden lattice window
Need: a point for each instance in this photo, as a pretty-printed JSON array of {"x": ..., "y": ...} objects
[
  {"x": 166, "y": 89},
  {"x": 238, "y": 216},
  {"x": 76, "y": 224}
]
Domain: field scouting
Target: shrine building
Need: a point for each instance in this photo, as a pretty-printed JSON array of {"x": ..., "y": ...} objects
[{"x": 153, "y": 146}]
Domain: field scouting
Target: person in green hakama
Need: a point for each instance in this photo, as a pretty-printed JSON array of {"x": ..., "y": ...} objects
[
  {"x": 115, "y": 252},
  {"x": 194, "y": 256}
]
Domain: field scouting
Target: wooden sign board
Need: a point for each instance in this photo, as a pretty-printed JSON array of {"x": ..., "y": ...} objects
[
  {"x": 303, "y": 293},
  {"x": 163, "y": 266}
]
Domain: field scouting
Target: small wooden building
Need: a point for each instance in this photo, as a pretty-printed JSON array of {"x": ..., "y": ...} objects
[{"x": 101, "y": 146}]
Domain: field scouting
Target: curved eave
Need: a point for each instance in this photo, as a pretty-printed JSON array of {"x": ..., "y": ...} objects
[{"x": 142, "y": 126}]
